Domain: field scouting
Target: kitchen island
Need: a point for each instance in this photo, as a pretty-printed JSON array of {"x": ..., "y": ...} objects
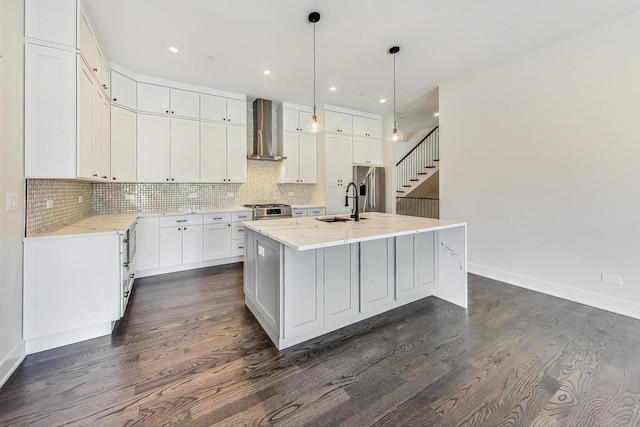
[{"x": 304, "y": 277}]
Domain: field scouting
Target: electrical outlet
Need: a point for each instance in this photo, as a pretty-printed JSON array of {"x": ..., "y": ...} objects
[
  {"x": 49, "y": 204},
  {"x": 80, "y": 199},
  {"x": 610, "y": 278},
  {"x": 230, "y": 194},
  {"x": 12, "y": 202},
  {"x": 128, "y": 196},
  {"x": 193, "y": 195}
]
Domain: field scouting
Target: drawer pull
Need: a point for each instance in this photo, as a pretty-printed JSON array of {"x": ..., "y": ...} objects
[
  {"x": 181, "y": 220},
  {"x": 216, "y": 218},
  {"x": 240, "y": 247},
  {"x": 243, "y": 216}
]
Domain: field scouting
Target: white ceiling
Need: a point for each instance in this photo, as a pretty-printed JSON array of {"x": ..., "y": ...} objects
[{"x": 439, "y": 40}]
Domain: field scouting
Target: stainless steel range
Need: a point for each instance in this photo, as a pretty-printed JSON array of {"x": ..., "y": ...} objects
[{"x": 270, "y": 211}]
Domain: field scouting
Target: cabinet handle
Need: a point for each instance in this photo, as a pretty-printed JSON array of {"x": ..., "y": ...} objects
[
  {"x": 228, "y": 225},
  {"x": 95, "y": 174},
  {"x": 104, "y": 177},
  {"x": 240, "y": 247},
  {"x": 114, "y": 178},
  {"x": 167, "y": 179},
  {"x": 132, "y": 275},
  {"x": 167, "y": 111},
  {"x": 172, "y": 112},
  {"x": 95, "y": 69},
  {"x": 172, "y": 179},
  {"x": 216, "y": 218},
  {"x": 179, "y": 229},
  {"x": 126, "y": 294},
  {"x": 181, "y": 220},
  {"x": 114, "y": 99},
  {"x": 243, "y": 216},
  {"x": 104, "y": 86},
  {"x": 223, "y": 119}
]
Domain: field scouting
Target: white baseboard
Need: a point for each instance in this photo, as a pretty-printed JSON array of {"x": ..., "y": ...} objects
[
  {"x": 48, "y": 342},
  {"x": 185, "y": 267},
  {"x": 12, "y": 361},
  {"x": 593, "y": 299}
]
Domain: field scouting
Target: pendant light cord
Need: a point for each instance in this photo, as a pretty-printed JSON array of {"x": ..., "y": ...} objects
[
  {"x": 394, "y": 91},
  {"x": 314, "y": 69}
]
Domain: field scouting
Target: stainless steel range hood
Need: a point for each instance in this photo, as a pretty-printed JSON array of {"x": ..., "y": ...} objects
[{"x": 263, "y": 144}]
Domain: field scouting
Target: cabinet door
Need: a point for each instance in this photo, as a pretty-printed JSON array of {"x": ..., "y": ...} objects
[
  {"x": 308, "y": 159},
  {"x": 98, "y": 100},
  {"x": 50, "y": 111},
  {"x": 340, "y": 283},
  {"x": 51, "y": 20},
  {"x": 185, "y": 103},
  {"x": 345, "y": 123},
  {"x": 298, "y": 212},
  {"x": 376, "y": 279},
  {"x": 302, "y": 283},
  {"x": 192, "y": 244},
  {"x": 152, "y": 98},
  {"x": 105, "y": 158},
  {"x": 304, "y": 121},
  {"x": 85, "y": 35},
  {"x": 86, "y": 122},
  {"x": 217, "y": 241},
  {"x": 290, "y": 120},
  {"x": 406, "y": 284},
  {"x": 147, "y": 243},
  {"x": 331, "y": 121},
  {"x": 289, "y": 172},
  {"x": 425, "y": 259},
  {"x": 236, "y": 153},
  {"x": 170, "y": 246},
  {"x": 98, "y": 61},
  {"x": 123, "y": 145},
  {"x": 339, "y": 158},
  {"x": 236, "y": 112},
  {"x": 213, "y": 152},
  {"x": 185, "y": 150},
  {"x": 334, "y": 198},
  {"x": 154, "y": 148},
  {"x": 213, "y": 108},
  {"x": 365, "y": 126},
  {"x": 123, "y": 90},
  {"x": 367, "y": 151}
]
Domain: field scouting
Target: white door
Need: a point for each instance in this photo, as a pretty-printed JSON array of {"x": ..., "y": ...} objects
[
  {"x": 376, "y": 278},
  {"x": 50, "y": 111},
  {"x": 331, "y": 121},
  {"x": 213, "y": 108},
  {"x": 236, "y": 153},
  {"x": 98, "y": 60},
  {"x": 185, "y": 103},
  {"x": 290, "y": 120},
  {"x": 85, "y": 121},
  {"x": 339, "y": 157},
  {"x": 123, "y": 90},
  {"x": 147, "y": 243},
  {"x": 53, "y": 21},
  {"x": 213, "y": 152},
  {"x": 152, "y": 98},
  {"x": 98, "y": 100},
  {"x": 185, "y": 150},
  {"x": 170, "y": 246},
  {"x": 236, "y": 112},
  {"x": 290, "y": 165},
  {"x": 304, "y": 120},
  {"x": 217, "y": 241},
  {"x": 154, "y": 148},
  {"x": 308, "y": 159},
  {"x": 334, "y": 198},
  {"x": 192, "y": 244},
  {"x": 345, "y": 123},
  {"x": 85, "y": 35},
  {"x": 340, "y": 283},
  {"x": 105, "y": 168},
  {"x": 123, "y": 145}
]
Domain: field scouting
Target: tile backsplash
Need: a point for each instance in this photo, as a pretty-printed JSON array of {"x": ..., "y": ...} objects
[
  {"x": 260, "y": 187},
  {"x": 66, "y": 207}
]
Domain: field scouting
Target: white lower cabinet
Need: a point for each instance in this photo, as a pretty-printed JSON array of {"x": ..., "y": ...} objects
[
  {"x": 217, "y": 241},
  {"x": 376, "y": 273},
  {"x": 181, "y": 240},
  {"x": 71, "y": 288},
  {"x": 170, "y": 246},
  {"x": 147, "y": 243},
  {"x": 341, "y": 293}
]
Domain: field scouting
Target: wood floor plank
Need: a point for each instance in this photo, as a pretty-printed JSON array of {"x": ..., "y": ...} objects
[{"x": 188, "y": 352}]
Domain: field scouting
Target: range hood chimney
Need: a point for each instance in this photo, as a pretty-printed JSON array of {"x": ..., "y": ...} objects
[{"x": 263, "y": 147}]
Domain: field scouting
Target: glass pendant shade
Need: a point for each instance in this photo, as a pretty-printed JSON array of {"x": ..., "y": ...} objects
[
  {"x": 314, "y": 124},
  {"x": 396, "y": 134}
]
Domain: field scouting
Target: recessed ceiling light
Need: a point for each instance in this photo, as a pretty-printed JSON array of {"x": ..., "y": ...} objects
[
  {"x": 267, "y": 72},
  {"x": 333, "y": 88},
  {"x": 382, "y": 101},
  {"x": 436, "y": 114},
  {"x": 173, "y": 49},
  {"x": 210, "y": 58}
]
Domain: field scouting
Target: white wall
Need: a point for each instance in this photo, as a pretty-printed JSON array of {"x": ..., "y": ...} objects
[
  {"x": 11, "y": 180},
  {"x": 541, "y": 155}
]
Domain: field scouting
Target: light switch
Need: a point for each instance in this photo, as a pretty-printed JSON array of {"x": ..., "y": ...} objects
[
  {"x": 260, "y": 250},
  {"x": 12, "y": 202},
  {"x": 49, "y": 204}
]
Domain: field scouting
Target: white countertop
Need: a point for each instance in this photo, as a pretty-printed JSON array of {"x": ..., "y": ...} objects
[
  {"x": 307, "y": 206},
  {"x": 120, "y": 222},
  {"x": 309, "y": 233}
]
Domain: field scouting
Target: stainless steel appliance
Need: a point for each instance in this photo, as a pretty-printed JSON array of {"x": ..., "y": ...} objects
[
  {"x": 270, "y": 211},
  {"x": 128, "y": 269},
  {"x": 264, "y": 147},
  {"x": 370, "y": 181}
]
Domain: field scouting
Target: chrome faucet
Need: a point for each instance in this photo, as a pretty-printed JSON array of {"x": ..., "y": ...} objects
[{"x": 356, "y": 214}]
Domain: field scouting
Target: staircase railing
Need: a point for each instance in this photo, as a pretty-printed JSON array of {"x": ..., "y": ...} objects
[
  {"x": 417, "y": 161},
  {"x": 427, "y": 207}
]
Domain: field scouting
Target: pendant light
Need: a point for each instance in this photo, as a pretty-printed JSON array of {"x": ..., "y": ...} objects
[
  {"x": 396, "y": 134},
  {"x": 315, "y": 124}
]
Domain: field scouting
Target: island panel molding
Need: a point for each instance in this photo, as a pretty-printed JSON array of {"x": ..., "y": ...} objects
[{"x": 304, "y": 277}]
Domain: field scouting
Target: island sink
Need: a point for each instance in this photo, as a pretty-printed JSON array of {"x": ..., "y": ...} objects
[{"x": 335, "y": 219}]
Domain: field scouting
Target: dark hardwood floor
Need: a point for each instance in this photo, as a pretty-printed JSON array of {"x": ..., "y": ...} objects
[{"x": 188, "y": 352}]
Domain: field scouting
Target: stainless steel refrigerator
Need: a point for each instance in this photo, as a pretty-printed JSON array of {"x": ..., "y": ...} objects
[{"x": 370, "y": 182}]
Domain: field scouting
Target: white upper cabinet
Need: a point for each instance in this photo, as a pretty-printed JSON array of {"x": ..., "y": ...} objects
[
  {"x": 50, "y": 112},
  {"x": 339, "y": 158},
  {"x": 338, "y": 122},
  {"x": 51, "y": 20},
  {"x": 154, "y": 148},
  {"x": 86, "y": 35},
  {"x": 153, "y": 98},
  {"x": 185, "y": 150},
  {"x": 365, "y": 126},
  {"x": 367, "y": 151},
  {"x": 123, "y": 145},
  {"x": 236, "y": 153},
  {"x": 295, "y": 120},
  {"x": 184, "y": 103},
  {"x": 223, "y": 153},
  {"x": 301, "y": 152},
  {"x": 222, "y": 109},
  {"x": 123, "y": 90}
]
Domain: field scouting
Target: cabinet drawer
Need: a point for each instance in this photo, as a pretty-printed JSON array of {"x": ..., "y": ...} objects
[
  {"x": 238, "y": 231},
  {"x": 217, "y": 218},
  {"x": 168, "y": 221},
  {"x": 237, "y": 247},
  {"x": 298, "y": 212},
  {"x": 242, "y": 216},
  {"x": 316, "y": 211}
]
